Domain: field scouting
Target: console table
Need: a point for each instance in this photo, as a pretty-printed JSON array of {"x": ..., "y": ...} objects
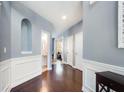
[{"x": 105, "y": 81}]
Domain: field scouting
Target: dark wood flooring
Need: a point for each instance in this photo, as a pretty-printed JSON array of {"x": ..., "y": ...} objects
[{"x": 62, "y": 78}]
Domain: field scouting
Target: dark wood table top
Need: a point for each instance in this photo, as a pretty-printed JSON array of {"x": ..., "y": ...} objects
[{"x": 112, "y": 76}]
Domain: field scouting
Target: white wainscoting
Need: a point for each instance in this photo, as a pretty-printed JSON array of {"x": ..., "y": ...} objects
[
  {"x": 89, "y": 69},
  {"x": 18, "y": 70},
  {"x": 5, "y": 75},
  {"x": 25, "y": 68},
  {"x": 79, "y": 68}
]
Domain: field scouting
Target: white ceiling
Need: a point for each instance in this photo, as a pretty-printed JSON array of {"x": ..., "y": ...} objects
[{"x": 54, "y": 10}]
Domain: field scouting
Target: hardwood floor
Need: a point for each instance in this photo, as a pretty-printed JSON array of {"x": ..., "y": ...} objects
[{"x": 62, "y": 78}]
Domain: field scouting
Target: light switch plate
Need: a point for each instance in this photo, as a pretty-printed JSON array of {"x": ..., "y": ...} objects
[{"x": 4, "y": 49}]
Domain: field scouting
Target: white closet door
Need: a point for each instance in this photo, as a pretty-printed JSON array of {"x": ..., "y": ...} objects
[
  {"x": 70, "y": 50},
  {"x": 78, "y": 50}
]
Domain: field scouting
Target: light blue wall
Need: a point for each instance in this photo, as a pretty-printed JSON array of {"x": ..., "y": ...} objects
[
  {"x": 74, "y": 29},
  {"x": 5, "y": 28},
  {"x": 19, "y": 12},
  {"x": 71, "y": 31},
  {"x": 26, "y": 35},
  {"x": 11, "y": 15},
  {"x": 100, "y": 27}
]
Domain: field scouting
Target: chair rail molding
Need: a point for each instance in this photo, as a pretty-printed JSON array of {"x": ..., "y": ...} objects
[{"x": 89, "y": 69}]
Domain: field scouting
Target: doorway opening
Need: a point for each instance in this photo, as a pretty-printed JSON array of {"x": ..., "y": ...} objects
[
  {"x": 44, "y": 49},
  {"x": 59, "y": 51}
]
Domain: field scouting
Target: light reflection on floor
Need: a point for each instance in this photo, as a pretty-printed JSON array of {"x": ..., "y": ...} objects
[
  {"x": 59, "y": 67},
  {"x": 59, "y": 70},
  {"x": 44, "y": 89},
  {"x": 61, "y": 78}
]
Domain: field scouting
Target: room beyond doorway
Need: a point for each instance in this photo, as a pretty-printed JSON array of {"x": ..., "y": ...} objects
[{"x": 58, "y": 50}]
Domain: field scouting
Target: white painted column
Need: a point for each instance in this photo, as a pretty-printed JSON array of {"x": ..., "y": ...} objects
[{"x": 50, "y": 52}]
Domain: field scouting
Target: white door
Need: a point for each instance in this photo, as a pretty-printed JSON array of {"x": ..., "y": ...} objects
[
  {"x": 70, "y": 50},
  {"x": 78, "y": 50}
]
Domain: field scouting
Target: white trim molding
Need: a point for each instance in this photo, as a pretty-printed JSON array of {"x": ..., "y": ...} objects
[
  {"x": 16, "y": 71},
  {"x": 5, "y": 78},
  {"x": 89, "y": 69},
  {"x": 24, "y": 69},
  {"x": 81, "y": 69}
]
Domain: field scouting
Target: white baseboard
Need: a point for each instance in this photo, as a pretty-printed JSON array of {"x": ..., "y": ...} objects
[
  {"x": 7, "y": 88},
  {"x": 25, "y": 78},
  {"x": 78, "y": 68},
  {"x": 86, "y": 89},
  {"x": 73, "y": 66},
  {"x": 89, "y": 77}
]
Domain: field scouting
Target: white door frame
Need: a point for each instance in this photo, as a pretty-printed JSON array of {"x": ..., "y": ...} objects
[
  {"x": 55, "y": 47},
  {"x": 49, "y": 64},
  {"x": 72, "y": 51},
  {"x": 78, "y": 54}
]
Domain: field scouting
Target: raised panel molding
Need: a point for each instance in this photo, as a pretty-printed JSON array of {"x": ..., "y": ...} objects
[
  {"x": 9, "y": 76},
  {"x": 16, "y": 71},
  {"x": 25, "y": 68},
  {"x": 5, "y": 75},
  {"x": 89, "y": 69}
]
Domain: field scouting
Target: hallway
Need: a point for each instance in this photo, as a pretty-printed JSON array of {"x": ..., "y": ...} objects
[
  {"x": 61, "y": 46},
  {"x": 62, "y": 78}
]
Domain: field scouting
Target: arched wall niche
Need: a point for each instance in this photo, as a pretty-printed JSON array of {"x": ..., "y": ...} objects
[{"x": 26, "y": 36}]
